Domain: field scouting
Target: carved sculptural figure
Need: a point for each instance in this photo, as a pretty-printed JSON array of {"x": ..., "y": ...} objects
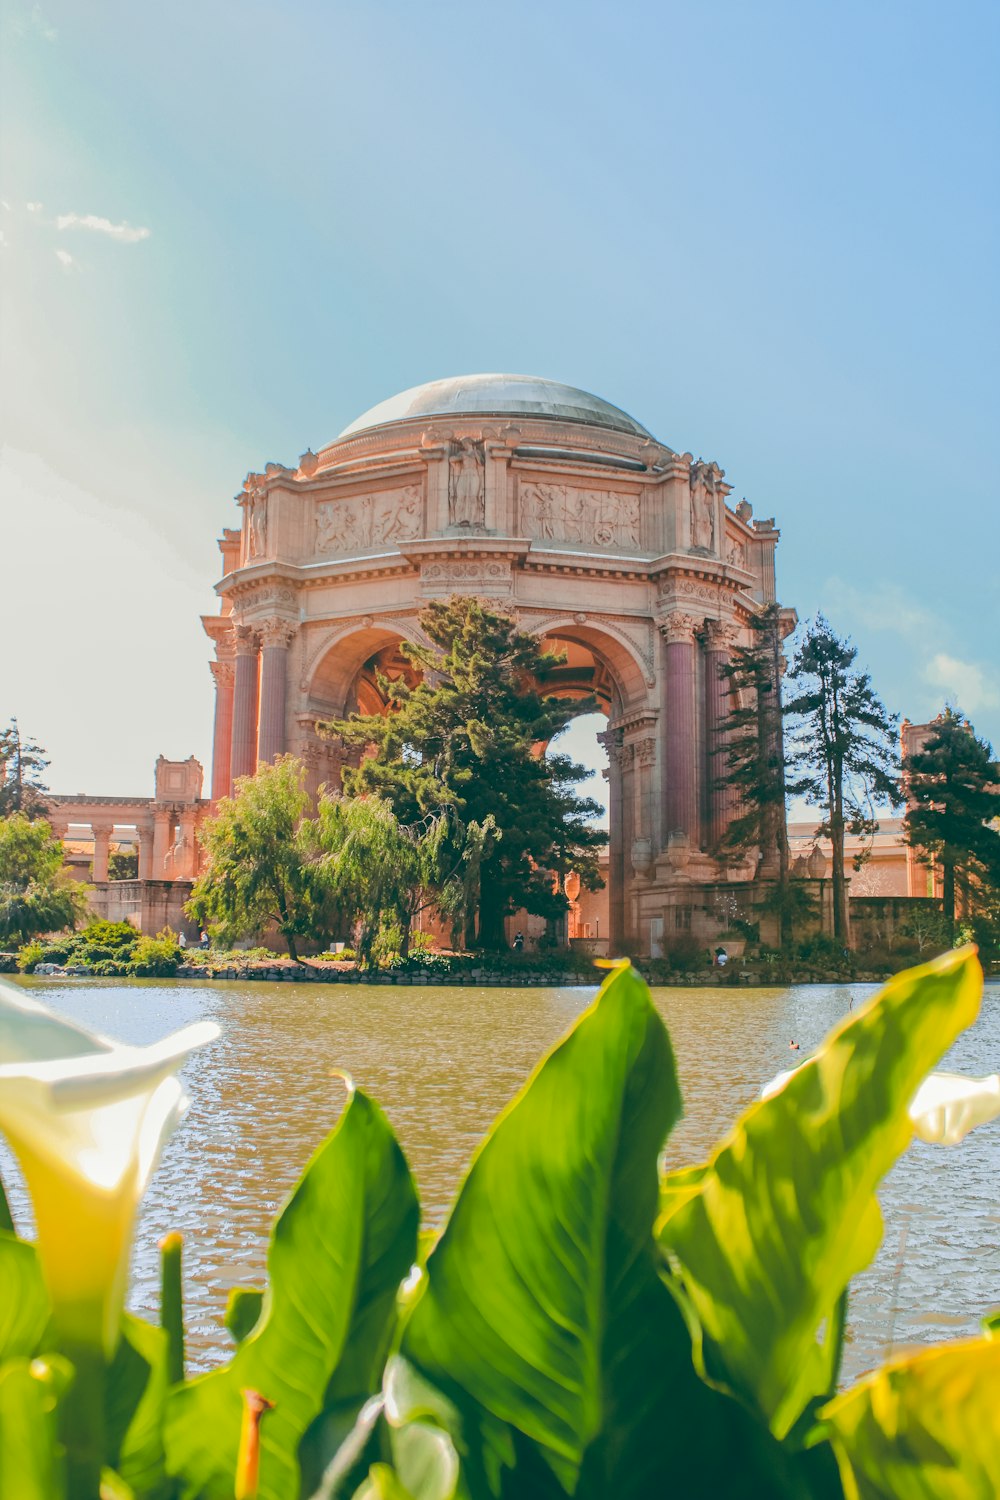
[
  {"x": 467, "y": 500},
  {"x": 257, "y": 524},
  {"x": 704, "y": 488}
]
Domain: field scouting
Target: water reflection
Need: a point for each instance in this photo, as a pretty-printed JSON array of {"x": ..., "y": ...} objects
[{"x": 443, "y": 1061}]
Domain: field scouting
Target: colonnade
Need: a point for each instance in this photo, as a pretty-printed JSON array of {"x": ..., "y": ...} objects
[
  {"x": 251, "y": 673},
  {"x": 165, "y": 836}
]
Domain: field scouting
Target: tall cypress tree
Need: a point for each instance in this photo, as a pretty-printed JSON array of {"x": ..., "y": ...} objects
[
  {"x": 753, "y": 759},
  {"x": 22, "y": 762},
  {"x": 466, "y": 737},
  {"x": 843, "y": 756},
  {"x": 953, "y": 798}
]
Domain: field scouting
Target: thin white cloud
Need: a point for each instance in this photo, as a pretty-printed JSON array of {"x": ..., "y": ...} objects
[
  {"x": 65, "y": 259},
  {"x": 21, "y": 23},
  {"x": 967, "y": 685},
  {"x": 887, "y": 608},
  {"x": 33, "y": 208},
  {"x": 128, "y": 234}
]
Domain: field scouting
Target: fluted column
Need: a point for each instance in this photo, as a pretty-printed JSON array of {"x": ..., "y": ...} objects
[
  {"x": 145, "y": 832},
  {"x": 223, "y": 672},
  {"x": 612, "y": 742},
  {"x": 245, "y": 700},
  {"x": 162, "y": 825},
  {"x": 721, "y": 799},
  {"x": 681, "y": 799},
  {"x": 277, "y": 636},
  {"x": 102, "y": 848}
]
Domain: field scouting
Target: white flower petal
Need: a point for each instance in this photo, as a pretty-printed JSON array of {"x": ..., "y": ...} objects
[
  {"x": 947, "y": 1106},
  {"x": 87, "y": 1119}
]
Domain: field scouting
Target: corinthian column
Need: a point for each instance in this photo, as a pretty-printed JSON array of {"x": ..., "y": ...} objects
[
  {"x": 277, "y": 637},
  {"x": 222, "y": 739},
  {"x": 102, "y": 849},
  {"x": 680, "y": 727},
  {"x": 245, "y": 691},
  {"x": 611, "y": 739},
  {"x": 721, "y": 800}
]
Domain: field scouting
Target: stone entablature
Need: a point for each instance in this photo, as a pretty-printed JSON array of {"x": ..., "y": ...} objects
[{"x": 619, "y": 549}]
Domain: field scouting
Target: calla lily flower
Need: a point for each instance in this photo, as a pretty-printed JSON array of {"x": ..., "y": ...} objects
[
  {"x": 87, "y": 1119},
  {"x": 945, "y": 1107}
]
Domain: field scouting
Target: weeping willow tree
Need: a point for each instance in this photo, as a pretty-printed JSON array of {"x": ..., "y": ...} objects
[
  {"x": 260, "y": 866},
  {"x": 381, "y": 873}
]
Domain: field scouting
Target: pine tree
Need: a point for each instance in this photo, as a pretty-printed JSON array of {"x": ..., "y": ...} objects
[
  {"x": 953, "y": 796},
  {"x": 466, "y": 738},
  {"x": 842, "y": 749},
  {"x": 753, "y": 756},
  {"x": 22, "y": 762}
]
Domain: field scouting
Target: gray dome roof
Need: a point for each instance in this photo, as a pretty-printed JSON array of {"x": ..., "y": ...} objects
[{"x": 496, "y": 395}]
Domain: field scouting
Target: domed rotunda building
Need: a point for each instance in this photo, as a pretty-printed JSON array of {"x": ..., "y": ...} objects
[{"x": 616, "y": 550}]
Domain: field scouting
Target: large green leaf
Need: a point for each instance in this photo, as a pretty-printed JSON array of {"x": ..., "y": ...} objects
[
  {"x": 543, "y": 1317},
  {"x": 24, "y": 1302},
  {"x": 134, "y": 1402},
  {"x": 31, "y": 1465},
  {"x": 337, "y": 1255},
  {"x": 923, "y": 1428},
  {"x": 785, "y": 1213}
]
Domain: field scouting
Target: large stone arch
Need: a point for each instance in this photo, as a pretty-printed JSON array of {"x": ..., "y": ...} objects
[{"x": 546, "y": 502}]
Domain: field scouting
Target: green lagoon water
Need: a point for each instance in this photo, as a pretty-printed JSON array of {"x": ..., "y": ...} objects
[{"x": 443, "y": 1061}]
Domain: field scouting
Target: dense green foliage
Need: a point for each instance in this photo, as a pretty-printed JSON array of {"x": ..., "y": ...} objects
[
  {"x": 953, "y": 813},
  {"x": 260, "y": 860},
  {"x": 108, "y": 950},
  {"x": 579, "y": 1326},
  {"x": 22, "y": 767},
  {"x": 842, "y": 749},
  {"x": 353, "y": 868},
  {"x": 36, "y": 895},
  {"x": 466, "y": 738},
  {"x": 752, "y": 753}
]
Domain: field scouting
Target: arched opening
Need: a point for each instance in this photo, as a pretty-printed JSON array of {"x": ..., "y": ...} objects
[{"x": 595, "y": 667}]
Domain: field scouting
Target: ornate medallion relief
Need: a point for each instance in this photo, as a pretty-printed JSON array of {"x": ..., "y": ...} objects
[{"x": 359, "y": 522}]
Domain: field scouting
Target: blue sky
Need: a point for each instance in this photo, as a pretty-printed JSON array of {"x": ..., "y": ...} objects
[{"x": 769, "y": 232}]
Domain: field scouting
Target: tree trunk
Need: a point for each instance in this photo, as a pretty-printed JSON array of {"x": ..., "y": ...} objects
[
  {"x": 491, "y": 934},
  {"x": 948, "y": 891},
  {"x": 292, "y": 950},
  {"x": 840, "y": 913}
]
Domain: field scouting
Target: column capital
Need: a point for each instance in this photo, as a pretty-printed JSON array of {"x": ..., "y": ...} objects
[
  {"x": 277, "y": 631},
  {"x": 719, "y": 635},
  {"x": 102, "y": 827},
  {"x": 677, "y": 627},
  {"x": 247, "y": 640},
  {"x": 223, "y": 672}
]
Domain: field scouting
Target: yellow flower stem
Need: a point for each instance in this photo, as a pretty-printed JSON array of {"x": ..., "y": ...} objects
[{"x": 81, "y": 1421}]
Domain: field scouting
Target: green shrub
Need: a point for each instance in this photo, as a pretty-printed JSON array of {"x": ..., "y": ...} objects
[
  {"x": 109, "y": 934},
  {"x": 156, "y": 957},
  {"x": 31, "y": 954},
  {"x": 684, "y": 954}
]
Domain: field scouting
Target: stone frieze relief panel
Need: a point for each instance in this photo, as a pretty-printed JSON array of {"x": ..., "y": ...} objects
[
  {"x": 564, "y": 513},
  {"x": 359, "y": 522}
]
